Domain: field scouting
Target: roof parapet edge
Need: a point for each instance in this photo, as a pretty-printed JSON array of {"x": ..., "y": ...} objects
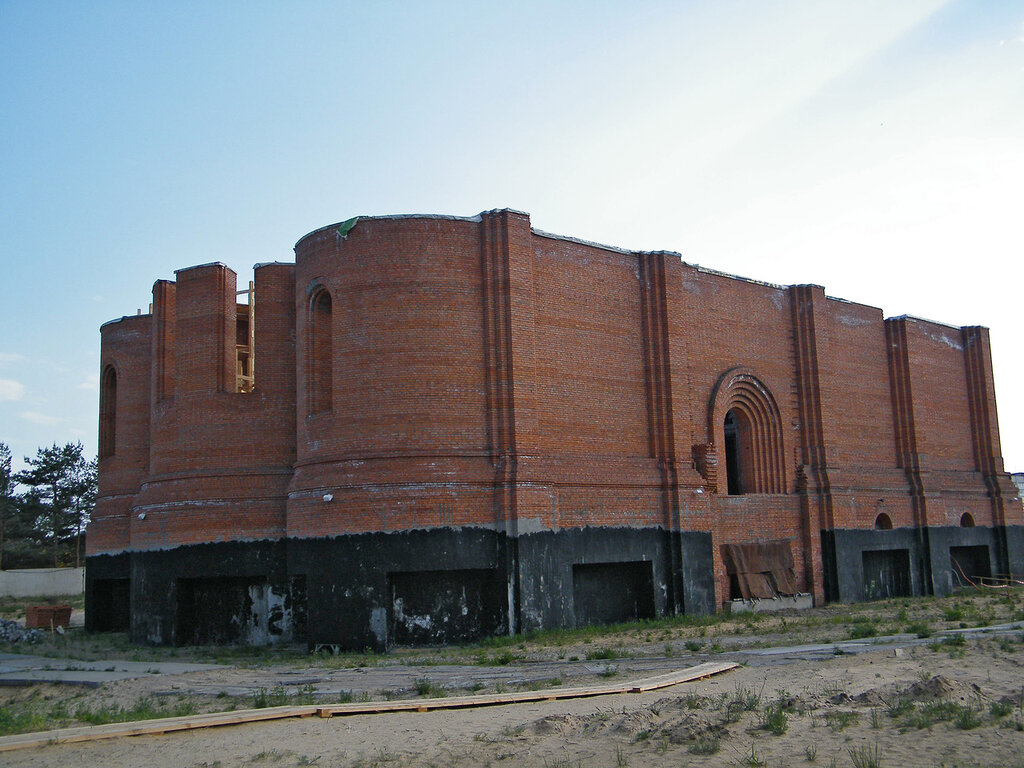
[
  {"x": 915, "y": 319},
  {"x": 440, "y": 216},
  {"x": 123, "y": 318},
  {"x": 579, "y": 241},
  {"x": 198, "y": 266},
  {"x": 720, "y": 273}
]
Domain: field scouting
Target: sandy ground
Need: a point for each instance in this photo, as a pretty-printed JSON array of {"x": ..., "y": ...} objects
[{"x": 837, "y": 711}]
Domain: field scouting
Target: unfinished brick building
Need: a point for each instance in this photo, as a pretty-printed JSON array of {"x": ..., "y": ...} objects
[{"x": 432, "y": 428}]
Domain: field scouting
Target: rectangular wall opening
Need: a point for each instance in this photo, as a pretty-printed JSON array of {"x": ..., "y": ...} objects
[
  {"x": 886, "y": 573},
  {"x": 759, "y": 570},
  {"x": 968, "y": 565},
  {"x": 439, "y": 607},
  {"x": 111, "y": 605},
  {"x": 245, "y": 341},
  {"x": 607, "y": 593}
]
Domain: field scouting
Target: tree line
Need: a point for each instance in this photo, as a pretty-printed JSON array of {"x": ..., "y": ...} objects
[{"x": 45, "y": 508}]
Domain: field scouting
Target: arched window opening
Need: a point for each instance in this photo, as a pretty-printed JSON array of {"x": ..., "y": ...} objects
[
  {"x": 733, "y": 461},
  {"x": 108, "y": 411},
  {"x": 745, "y": 423},
  {"x": 883, "y": 522},
  {"x": 321, "y": 353},
  {"x": 966, "y": 520}
]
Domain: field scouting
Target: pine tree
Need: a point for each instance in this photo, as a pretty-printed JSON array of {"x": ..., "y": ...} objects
[{"x": 62, "y": 485}]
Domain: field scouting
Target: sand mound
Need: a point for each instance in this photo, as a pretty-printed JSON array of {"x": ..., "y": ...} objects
[
  {"x": 937, "y": 688},
  {"x": 688, "y": 727},
  {"x": 940, "y": 688}
]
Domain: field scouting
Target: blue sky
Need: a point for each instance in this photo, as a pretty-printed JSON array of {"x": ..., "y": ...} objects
[{"x": 875, "y": 148}]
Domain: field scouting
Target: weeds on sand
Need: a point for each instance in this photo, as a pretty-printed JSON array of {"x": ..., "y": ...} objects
[{"x": 865, "y": 756}]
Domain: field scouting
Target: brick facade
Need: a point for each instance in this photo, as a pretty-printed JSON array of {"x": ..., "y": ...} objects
[{"x": 506, "y": 413}]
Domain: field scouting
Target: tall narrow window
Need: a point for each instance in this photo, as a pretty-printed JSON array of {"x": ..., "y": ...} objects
[
  {"x": 321, "y": 353},
  {"x": 245, "y": 340},
  {"x": 733, "y": 454},
  {"x": 108, "y": 411}
]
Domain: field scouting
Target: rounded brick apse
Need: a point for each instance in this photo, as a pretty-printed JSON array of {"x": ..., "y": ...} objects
[{"x": 430, "y": 429}]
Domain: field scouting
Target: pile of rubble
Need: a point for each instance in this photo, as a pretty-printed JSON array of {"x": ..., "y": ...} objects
[{"x": 13, "y": 632}]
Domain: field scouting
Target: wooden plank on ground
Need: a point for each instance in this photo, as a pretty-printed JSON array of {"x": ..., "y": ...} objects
[{"x": 238, "y": 717}]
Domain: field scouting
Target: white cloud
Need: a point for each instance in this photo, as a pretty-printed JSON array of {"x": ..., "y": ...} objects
[
  {"x": 10, "y": 357},
  {"x": 90, "y": 383},
  {"x": 11, "y": 390},
  {"x": 41, "y": 418}
]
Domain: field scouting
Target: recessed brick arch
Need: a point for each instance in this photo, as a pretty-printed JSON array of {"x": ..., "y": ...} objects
[
  {"x": 320, "y": 351},
  {"x": 108, "y": 411},
  {"x": 751, "y": 408}
]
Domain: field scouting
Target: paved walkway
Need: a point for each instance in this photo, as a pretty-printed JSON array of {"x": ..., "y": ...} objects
[{"x": 20, "y": 669}]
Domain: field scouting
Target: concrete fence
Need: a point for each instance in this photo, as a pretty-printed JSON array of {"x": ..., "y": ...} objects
[{"x": 38, "y": 582}]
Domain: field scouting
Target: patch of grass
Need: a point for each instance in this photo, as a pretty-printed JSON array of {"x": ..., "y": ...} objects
[
  {"x": 860, "y": 630},
  {"x": 23, "y": 719},
  {"x": 967, "y": 719},
  {"x": 747, "y": 698},
  {"x": 563, "y": 762},
  {"x": 511, "y": 731},
  {"x": 503, "y": 659},
  {"x": 999, "y": 709},
  {"x": 706, "y": 744},
  {"x": 694, "y": 645},
  {"x": 865, "y": 756},
  {"x": 145, "y": 709},
  {"x": 774, "y": 719},
  {"x": 922, "y": 716},
  {"x": 752, "y": 760},
  {"x": 272, "y": 754},
  {"x": 838, "y": 719},
  {"x": 692, "y": 701},
  {"x": 953, "y": 613},
  {"x": 425, "y": 687},
  {"x": 601, "y": 653},
  {"x": 919, "y": 628},
  {"x": 274, "y": 697}
]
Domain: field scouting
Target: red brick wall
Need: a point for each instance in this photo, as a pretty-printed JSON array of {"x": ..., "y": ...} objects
[
  {"x": 485, "y": 374},
  {"x": 589, "y": 355},
  {"x": 731, "y": 323},
  {"x": 941, "y": 413},
  {"x": 409, "y": 406},
  {"x": 125, "y": 347},
  {"x": 219, "y": 462}
]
